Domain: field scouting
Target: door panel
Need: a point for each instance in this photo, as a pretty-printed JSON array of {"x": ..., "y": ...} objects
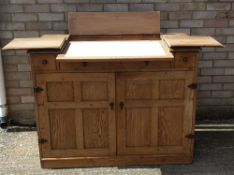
[
  {"x": 96, "y": 90},
  {"x": 154, "y": 112},
  {"x": 134, "y": 89},
  {"x": 137, "y": 129},
  {"x": 96, "y": 132},
  {"x": 60, "y": 91},
  {"x": 171, "y": 89},
  {"x": 170, "y": 126},
  {"x": 75, "y": 116},
  {"x": 62, "y": 129}
]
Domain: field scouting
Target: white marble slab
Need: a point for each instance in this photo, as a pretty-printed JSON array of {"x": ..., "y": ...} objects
[{"x": 105, "y": 49}]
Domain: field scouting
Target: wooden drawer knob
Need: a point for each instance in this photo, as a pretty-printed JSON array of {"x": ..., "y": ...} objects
[
  {"x": 44, "y": 62},
  {"x": 84, "y": 64},
  {"x": 146, "y": 63}
]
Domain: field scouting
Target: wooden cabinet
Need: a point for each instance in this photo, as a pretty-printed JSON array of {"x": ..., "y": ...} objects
[
  {"x": 115, "y": 117},
  {"x": 119, "y": 95}
]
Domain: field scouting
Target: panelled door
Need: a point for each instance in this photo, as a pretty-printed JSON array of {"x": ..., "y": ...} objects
[
  {"x": 154, "y": 112},
  {"x": 76, "y": 114}
]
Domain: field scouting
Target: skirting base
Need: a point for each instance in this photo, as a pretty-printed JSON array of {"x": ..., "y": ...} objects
[{"x": 72, "y": 162}]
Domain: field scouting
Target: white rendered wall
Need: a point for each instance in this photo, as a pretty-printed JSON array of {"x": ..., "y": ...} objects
[{"x": 3, "y": 108}]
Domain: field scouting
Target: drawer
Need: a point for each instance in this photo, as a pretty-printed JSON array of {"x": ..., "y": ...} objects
[
  {"x": 185, "y": 59},
  {"x": 115, "y": 66},
  {"x": 43, "y": 61}
]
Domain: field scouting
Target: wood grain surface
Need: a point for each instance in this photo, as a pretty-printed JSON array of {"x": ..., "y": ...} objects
[
  {"x": 183, "y": 40},
  {"x": 114, "y": 23},
  {"x": 35, "y": 43}
]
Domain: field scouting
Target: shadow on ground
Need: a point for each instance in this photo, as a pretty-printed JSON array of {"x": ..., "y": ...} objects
[{"x": 214, "y": 155}]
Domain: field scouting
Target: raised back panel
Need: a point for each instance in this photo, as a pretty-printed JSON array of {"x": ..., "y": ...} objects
[{"x": 114, "y": 23}]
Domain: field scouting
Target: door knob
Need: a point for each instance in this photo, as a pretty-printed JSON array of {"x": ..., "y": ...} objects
[
  {"x": 44, "y": 62},
  {"x": 121, "y": 104},
  {"x": 112, "y": 105}
]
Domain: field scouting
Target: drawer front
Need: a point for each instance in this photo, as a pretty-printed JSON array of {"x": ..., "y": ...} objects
[
  {"x": 185, "y": 59},
  {"x": 114, "y": 66},
  {"x": 43, "y": 61}
]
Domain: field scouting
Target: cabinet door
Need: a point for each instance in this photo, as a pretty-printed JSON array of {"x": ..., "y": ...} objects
[
  {"x": 155, "y": 112},
  {"x": 74, "y": 114}
]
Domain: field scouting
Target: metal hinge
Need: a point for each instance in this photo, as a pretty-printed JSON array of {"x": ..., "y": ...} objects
[
  {"x": 190, "y": 136},
  {"x": 42, "y": 141},
  {"x": 193, "y": 86},
  {"x": 37, "y": 89}
]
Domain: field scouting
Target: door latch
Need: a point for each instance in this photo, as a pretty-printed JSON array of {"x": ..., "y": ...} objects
[
  {"x": 190, "y": 136},
  {"x": 37, "y": 89},
  {"x": 121, "y": 104},
  {"x": 44, "y": 62},
  {"x": 42, "y": 141},
  {"x": 193, "y": 86},
  {"x": 112, "y": 105}
]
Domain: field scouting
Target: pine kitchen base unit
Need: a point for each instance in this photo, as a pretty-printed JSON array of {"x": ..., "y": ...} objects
[{"x": 114, "y": 91}]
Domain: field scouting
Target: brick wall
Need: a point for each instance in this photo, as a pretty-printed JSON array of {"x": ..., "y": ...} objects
[{"x": 27, "y": 18}]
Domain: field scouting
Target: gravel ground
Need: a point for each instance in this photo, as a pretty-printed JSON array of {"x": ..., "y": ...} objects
[
  {"x": 19, "y": 155},
  {"x": 214, "y": 155}
]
